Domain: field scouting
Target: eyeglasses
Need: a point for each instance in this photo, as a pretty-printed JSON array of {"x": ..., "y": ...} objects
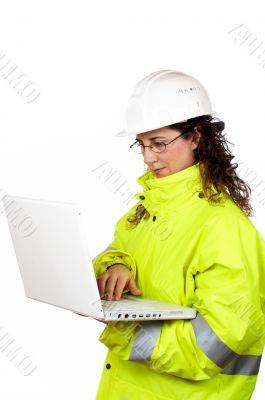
[{"x": 157, "y": 147}]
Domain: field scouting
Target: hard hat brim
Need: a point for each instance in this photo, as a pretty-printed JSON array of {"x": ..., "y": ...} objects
[{"x": 124, "y": 132}]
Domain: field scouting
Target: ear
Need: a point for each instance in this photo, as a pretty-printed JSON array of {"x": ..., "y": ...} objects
[{"x": 196, "y": 138}]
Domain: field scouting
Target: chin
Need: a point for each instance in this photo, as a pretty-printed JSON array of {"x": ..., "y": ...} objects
[{"x": 161, "y": 174}]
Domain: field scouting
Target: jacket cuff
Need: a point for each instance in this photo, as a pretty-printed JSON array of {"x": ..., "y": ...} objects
[
  {"x": 110, "y": 257},
  {"x": 119, "y": 337}
]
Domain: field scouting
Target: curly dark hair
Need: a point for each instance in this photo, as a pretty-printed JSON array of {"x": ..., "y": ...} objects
[{"x": 218, "y": 173}]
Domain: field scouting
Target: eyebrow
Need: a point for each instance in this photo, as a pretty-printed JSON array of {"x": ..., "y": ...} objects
[{"x": 152, "y": 138}]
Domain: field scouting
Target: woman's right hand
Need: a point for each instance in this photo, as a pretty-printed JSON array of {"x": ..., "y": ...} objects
[{"x": 116, "y": 279}]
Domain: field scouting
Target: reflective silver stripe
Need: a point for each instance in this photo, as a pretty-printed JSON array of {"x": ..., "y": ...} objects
[
  {"x": 145, "y": 340},
  {"x": 243, "y": 365},
  {"x": 210, "y": 343}
]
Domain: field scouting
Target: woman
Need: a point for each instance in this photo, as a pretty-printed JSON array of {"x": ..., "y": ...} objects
[{"x": 188, "y": 241}]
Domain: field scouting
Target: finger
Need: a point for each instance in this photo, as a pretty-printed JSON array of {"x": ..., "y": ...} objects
[
  {"x": 132, "y": 287},
  {"x": 120, "y": 284},
  {"x": 101, "y": 285},
  {"x": 110, "y": 286}
]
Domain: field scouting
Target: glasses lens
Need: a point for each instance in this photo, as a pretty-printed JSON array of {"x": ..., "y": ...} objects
[{"x": 158, "y": 147}]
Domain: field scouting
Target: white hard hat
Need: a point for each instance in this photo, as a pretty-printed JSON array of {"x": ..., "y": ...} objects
[{"x": 163, "y": 98}]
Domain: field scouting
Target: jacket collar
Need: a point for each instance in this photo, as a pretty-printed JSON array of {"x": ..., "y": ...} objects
[{"x": 170, "y": 192}]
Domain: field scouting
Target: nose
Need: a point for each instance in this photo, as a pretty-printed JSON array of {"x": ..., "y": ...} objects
[{"x": 149, "y": 156}]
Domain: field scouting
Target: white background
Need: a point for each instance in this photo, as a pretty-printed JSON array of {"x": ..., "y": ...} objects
[{"x": 85, "y": 58}]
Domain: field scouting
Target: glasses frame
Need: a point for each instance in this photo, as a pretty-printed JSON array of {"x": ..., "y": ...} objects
[{"x": 151, "y": 146}]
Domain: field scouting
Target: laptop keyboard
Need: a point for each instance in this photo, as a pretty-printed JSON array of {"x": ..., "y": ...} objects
[
  {"x": 132, "y": 305},
  {"x": 119, "y": 305}
]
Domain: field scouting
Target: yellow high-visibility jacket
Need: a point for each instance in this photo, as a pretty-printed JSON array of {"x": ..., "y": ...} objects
[{"x": 192, "y": 253}]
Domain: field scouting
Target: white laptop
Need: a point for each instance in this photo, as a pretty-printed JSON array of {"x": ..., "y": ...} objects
[{"x": 51, "y": 247}]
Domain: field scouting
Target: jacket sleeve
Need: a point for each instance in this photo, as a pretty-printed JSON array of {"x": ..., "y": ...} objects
[
  {"x": 115, "y": 251},
  {"x": 227, "y": 335}
]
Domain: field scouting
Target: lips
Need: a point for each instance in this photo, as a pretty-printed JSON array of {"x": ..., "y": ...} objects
[{"x": 157, "y": 169}]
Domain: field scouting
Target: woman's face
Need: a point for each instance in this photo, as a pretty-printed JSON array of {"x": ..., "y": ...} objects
[{"x": 177, "y": 156}]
